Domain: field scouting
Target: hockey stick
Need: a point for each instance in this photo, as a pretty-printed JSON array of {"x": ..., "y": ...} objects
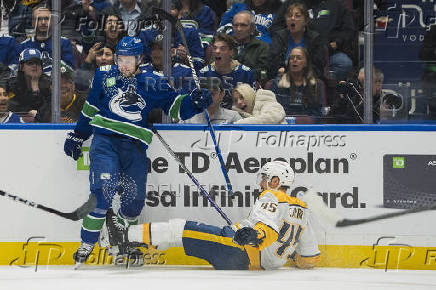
[
  {"x": 202, "y": 190},
  {"x": 316, "y": 203},
  {"x": 352, "y": 222},
  {"x": 76, "y": 215},
  {"x": 176, "y": 23}
]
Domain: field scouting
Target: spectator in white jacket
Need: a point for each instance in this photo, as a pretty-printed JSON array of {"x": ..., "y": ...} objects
[{"x": 260, "y": 107}]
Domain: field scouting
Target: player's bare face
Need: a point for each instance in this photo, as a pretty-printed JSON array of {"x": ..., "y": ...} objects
[
  {"x": 296, "y": 21},
  {"x": 3, "y": 100},
  {"x": 126, "y": 65},
  {"x": 222, "y": 53}
]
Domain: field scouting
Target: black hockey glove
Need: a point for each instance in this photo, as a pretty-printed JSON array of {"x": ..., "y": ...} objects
[
  {"x": 73, "y": 145},
  {"x": 201, "y": 98},
  {"x": 247, "y": 236}
]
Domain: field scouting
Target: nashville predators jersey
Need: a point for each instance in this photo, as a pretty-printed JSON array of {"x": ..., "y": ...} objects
[{"x": 282, "y": 222}]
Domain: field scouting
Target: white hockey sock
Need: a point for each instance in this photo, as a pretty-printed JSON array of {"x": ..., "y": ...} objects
[{"x": 161, "y": 235}]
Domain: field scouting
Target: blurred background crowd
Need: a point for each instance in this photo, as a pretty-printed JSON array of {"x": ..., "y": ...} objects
[{"x": 278, "y": 61}]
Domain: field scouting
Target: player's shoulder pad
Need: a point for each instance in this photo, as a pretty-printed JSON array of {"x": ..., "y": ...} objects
[
  {"x": 282, "y": 197},
  {"x": 269, "y": 193}
]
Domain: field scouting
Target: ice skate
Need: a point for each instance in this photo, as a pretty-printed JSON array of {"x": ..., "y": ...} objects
[{"x": 82, "y": 254}]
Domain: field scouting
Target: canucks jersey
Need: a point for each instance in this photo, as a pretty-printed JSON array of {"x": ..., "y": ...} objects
[
  {"x": 284, "y": 220},
  {"x": 120, "y": 105}
]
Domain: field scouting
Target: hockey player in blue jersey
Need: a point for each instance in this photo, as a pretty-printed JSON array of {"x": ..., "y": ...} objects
[{"x": 119, "y": 101}]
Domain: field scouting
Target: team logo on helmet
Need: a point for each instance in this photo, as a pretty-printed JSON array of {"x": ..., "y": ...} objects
[{"x": 128, "y": 104}]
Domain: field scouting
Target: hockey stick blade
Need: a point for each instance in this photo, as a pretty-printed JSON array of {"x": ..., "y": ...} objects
[
  {"x": 67, "y": 215},
  {"x": 353, "y": 222}
]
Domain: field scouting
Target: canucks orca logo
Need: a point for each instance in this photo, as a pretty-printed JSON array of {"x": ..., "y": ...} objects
[{"x": 128, "y": 104}]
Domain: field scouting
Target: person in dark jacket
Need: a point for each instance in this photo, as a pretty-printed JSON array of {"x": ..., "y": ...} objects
[
  {"x": 6, "y": 116},
  {"x": 298, "y": 90},
  {"x": 334, "y": 22},
  {"x": 71, "y": 102},
  {"x": 296, "y": 34},
  {"x": 250, "y": 51},
  {"x": 30, "y": 88}
]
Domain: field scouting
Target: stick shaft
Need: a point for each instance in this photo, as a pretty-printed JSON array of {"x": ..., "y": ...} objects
[
  {"x": 352, "y": 222},
  {"x": 206, "y": 113},
  {"x": 67, "y": 215},
  {"x": 202, "y": 190}
]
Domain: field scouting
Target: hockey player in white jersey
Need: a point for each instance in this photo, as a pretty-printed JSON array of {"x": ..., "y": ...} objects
[{"x": 276, "y": 230}]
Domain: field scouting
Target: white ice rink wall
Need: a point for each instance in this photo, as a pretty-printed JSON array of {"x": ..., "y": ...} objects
[{"x": 359, "y": 170}]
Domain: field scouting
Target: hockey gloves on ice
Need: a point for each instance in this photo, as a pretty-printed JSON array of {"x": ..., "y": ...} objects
[
  {"x": 201, "y": 98},
  {"x": 247, "y": 236},
  {"x": 73, "y": 145}
]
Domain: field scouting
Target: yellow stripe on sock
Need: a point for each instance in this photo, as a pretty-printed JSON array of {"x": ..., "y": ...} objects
[{"x": 146, "y": 233}]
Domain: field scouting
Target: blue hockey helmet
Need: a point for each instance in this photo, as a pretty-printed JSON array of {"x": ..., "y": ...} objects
[{"x": 129, "y": 45}]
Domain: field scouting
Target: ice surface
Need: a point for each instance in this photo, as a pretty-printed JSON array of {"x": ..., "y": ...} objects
[{"x": 178, "y": 278}]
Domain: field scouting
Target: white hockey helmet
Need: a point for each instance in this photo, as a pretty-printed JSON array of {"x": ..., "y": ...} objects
[{"x": 280, "y": 169}]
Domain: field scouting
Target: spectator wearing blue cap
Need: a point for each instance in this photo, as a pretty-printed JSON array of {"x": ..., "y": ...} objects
[{"x": 30, "y": 88}]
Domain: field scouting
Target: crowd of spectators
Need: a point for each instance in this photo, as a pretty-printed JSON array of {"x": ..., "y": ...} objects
[{"x": 274, "y": 58}]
